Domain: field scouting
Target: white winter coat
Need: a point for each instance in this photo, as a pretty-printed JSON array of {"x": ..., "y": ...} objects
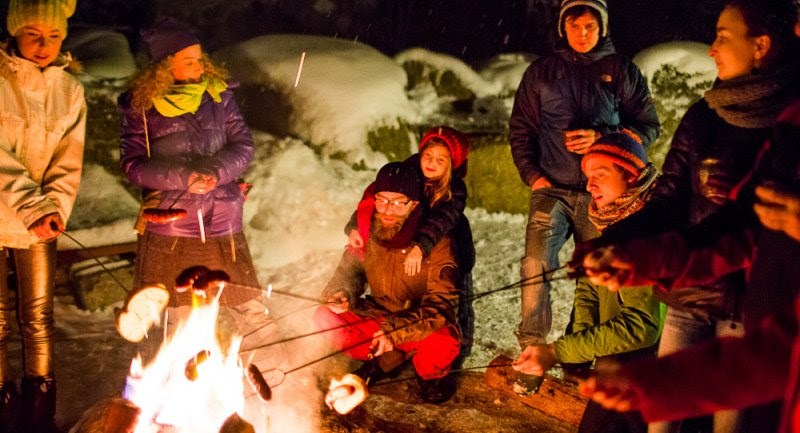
[{"x": 42, "y": 128}]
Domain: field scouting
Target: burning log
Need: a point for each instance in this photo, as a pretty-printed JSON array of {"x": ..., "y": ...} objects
[
  {"x": 141, "y": 311},
  {"x": 258, "y": 383},
  {"x": 345, "y": 394},
  {"x": 114, "y": 415},
  {"x": 235, "y": 424}
]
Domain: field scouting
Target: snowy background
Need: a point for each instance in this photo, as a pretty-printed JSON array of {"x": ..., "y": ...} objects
[{"x": 307, "y": 181}]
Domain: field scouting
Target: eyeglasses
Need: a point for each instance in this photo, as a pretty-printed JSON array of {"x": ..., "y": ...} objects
[{"x": 382, "y": 204}]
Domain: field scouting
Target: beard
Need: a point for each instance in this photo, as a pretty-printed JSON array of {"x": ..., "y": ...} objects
[{"x": 383, "y": 232}]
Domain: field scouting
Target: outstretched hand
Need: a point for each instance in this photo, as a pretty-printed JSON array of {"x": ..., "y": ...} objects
[
  {"x": 48, "y": 226},
  {"x": 338, "y": 302},
  {"x": 609, "y": 388},
  {"x": 381, "y": 343},
  {"x": 608, "y": 266},
  {"x": 778, "y": 210},
  {"x": 536, "y": 359}
]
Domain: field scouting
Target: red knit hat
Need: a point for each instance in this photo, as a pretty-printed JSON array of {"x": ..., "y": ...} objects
[
  {"x": 622, "y": 149},
  {"x": 456, "y": 141}
]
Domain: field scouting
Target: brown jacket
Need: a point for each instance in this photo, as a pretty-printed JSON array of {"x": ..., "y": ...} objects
[{"x": 412, "y": 307}]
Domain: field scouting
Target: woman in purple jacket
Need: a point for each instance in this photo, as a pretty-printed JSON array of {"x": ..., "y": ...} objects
[{"x": 186, "y": 145}]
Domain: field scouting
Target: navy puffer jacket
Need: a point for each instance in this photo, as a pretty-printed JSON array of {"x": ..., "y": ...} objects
[
  {"x": 598, "y": 90},
  {"x": 214, "y": 140}
]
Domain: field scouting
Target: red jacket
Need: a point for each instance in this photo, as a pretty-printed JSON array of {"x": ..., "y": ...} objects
[{"x": 727, "y": 373}]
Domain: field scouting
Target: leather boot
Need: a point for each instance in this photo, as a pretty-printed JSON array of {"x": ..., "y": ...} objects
[
  {"x": 38, "y": 405},
  {"x": 9, "y": 406}
]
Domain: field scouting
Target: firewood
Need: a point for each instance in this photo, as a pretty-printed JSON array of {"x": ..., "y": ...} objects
[{"x": 554, "y": 397}]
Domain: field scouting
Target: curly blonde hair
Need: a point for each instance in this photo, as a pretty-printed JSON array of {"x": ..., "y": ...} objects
[{"x": 155, "y": 80}]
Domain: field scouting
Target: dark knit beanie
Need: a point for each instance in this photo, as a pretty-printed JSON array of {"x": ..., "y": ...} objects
[
  {"x": 456, "y": 141},
  {"x": 166, "y": 37},
  {"x": 400, "y": 178},
  {"x": 621, "y": 149},
  {"x": 598, "y": 5}
]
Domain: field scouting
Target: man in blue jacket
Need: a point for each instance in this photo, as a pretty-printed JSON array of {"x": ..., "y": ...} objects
[{"x": 564, "y": 103}]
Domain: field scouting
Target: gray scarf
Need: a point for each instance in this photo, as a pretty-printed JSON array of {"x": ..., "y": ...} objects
[{"x": 754, "y": 100}]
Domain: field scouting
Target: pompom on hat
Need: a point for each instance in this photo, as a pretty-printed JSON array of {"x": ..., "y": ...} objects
[
  {"x": 53, "y": 13},
  {"x": 456, "y": 141},
  {"x": 166, "y": 37},
  {"x": 400, "y": 178},
  {"x": 599, "y": 5},
  {"x": 621, "y": 149}
]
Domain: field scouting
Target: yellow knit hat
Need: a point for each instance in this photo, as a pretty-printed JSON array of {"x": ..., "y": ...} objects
[{"x": 53, "y": 13}]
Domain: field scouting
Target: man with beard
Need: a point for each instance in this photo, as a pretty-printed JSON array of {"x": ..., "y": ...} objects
[{"x": 404, "y": 316}]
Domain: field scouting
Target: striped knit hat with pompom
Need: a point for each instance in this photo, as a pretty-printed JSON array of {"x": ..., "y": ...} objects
[{"x": 622, "y": 149}]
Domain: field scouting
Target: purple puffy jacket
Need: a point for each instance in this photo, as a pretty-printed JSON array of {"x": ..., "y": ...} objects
[{"x": 214, "y": 140}]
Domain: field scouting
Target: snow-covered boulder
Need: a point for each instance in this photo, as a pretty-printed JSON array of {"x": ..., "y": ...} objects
[
  {"x": 104, "y": 54},
  {"x": 343, "y": 91}
]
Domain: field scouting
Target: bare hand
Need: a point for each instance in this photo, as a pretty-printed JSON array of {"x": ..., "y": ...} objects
[
  {"x": 778, "y": 210},
  {"x": 536, "y": 359},
  {"x": 610, "y": 389},
  {"x": 338, "y": 302},
  {"x": 200, "y": 183},
  {"x": 579, "y": 140},
  {"x": 355, "y": 240},
  {"x": 48, "y": 226},
  {"x": 381, "y": 344},
  {"x": 606, "y": 266},
  {"x": 413, "y": 262},
  {"x": 540, "y": 183}
]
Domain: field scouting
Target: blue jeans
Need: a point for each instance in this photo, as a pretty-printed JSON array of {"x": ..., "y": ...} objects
[
  {"x": 555, "y": 214},
  {"x": 682, "y": 330}
]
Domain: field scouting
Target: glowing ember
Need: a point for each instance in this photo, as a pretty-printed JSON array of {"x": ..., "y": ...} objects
[{"x": 191, "y": 385}]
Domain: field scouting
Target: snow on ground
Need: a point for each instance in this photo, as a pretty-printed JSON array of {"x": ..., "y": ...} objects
[
  {"x": 300, "y": 201},
  {"x": 686, "y": 56}
]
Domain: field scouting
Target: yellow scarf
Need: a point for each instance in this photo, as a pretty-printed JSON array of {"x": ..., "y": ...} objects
[{"x": 186, "y": 98}]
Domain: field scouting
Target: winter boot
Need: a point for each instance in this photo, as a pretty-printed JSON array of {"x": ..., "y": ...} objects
[
  {"x": 9, "y": 406},
  {"x": 39, "y": 405}
]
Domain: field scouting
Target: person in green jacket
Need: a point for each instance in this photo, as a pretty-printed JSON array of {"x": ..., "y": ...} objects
[{"x": 619, "y": 324}]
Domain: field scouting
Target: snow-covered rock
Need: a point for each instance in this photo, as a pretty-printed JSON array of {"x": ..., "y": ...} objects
[
  {"x": 104, "y": 54},
  {"x": 330, "y": 92},
  {"x": 686, "y": 56}
]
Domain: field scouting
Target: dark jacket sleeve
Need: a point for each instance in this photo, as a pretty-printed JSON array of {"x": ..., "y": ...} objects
[
  {"x": 725, "y": 373},
  {"x": 523, "y": 126},
  {"x": 721, "y": 244},
  {"x": 441, "y": 219},
  {"x": 139, "y": 168},
  {"x": 637, "y": 112},
  {"x": 232, "y": 160}
]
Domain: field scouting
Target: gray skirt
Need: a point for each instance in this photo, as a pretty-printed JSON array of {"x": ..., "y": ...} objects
[{"x": 160, "y": 259}]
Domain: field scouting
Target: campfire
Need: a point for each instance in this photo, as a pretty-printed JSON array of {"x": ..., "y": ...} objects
[{"x": 193, "y": 385}]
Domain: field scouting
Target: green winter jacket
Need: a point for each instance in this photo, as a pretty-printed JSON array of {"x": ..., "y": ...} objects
[{"x": 608, "y": 323}]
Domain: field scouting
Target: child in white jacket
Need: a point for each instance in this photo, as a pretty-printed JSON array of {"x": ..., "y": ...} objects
[{"x": 42, "y": 126}]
